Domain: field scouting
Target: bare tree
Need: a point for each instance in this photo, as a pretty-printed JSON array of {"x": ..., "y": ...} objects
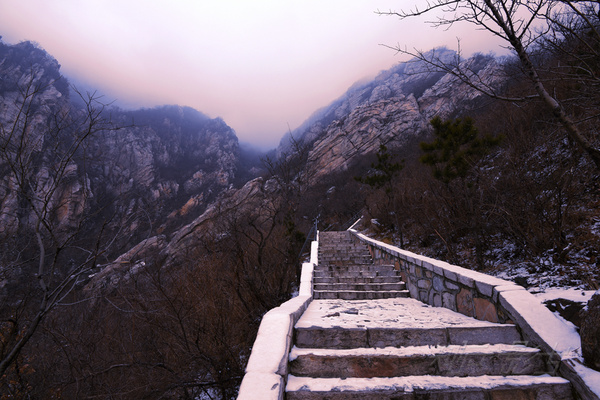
[
  {"x": 525, "y": 25},
  {"x": 45, "y": 208}
]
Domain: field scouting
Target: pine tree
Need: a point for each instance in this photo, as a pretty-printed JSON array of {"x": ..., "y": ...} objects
[{"x": 456, "y": 148}]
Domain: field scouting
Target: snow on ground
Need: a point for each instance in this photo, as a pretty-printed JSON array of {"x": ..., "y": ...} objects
[{"x": 568, "y": 293}]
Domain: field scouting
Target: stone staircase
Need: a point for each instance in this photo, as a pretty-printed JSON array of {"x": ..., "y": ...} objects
[
  {"x": 362, "y": 338},
  {"x": 346, "y": 271}
]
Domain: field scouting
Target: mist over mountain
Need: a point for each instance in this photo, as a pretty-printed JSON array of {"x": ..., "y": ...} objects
[{"x": 393, "y": 109}]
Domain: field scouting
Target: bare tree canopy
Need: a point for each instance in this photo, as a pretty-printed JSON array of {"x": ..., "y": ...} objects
[
  {"x": 42, "y": 154},
  {"x": 556, "y": 43}
]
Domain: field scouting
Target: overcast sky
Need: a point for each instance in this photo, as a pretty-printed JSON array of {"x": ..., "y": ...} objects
[{"x": 261, "y": 65}]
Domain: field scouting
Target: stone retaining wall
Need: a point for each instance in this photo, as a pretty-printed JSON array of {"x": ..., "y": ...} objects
[
  {"x": 440, "y": 284},
  {"x": 487, "y": 298}
]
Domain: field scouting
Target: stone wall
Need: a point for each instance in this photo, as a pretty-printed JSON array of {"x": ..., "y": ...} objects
[
  {"x": 487, "y": 298},
  {"x": 440, "y": 284}
]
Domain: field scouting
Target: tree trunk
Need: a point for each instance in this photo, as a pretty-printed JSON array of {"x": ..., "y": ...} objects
[{"x": 553, "y": 104}]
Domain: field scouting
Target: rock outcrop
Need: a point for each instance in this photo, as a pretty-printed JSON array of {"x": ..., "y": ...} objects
[
  {"x": 256, "y": 201},
  {"x": 173, "y": 161},
  {"x": 29, "y": 84},
  {"x": 145, "y": 172},
  {"x": 392, "y": 109},
  {"x": 590, "y": 332}
]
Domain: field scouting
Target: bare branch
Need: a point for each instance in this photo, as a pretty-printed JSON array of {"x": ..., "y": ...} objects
[{"x": 515, "y": 22}]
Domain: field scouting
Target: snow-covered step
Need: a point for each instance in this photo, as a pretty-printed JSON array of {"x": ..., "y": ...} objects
[
  {"x": 339, "y": 261},
  {"x": 344, "y": 256},
  {"x": 341, "y": 269},
  {"x": 396, "y": 322},
  {"x": 429, "y": 387},
  {"x": 350, "y": 274},
  {"x": 498, "y": 359},
  {"x": 347, "y": 338},
  {"x": 359, "y": 294},
  {"x": 325, "y": 248},
  {"x": 358, "y": 274},
  {"x": 335, "y": 286},
  {"x": 357, "y": 279}
]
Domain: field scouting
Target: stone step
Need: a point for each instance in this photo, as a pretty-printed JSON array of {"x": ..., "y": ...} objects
[
  {"x": 343, "y": 243},
  {"x": 347, "y": 244},
  {"x": 345, "y": 257},
  {"x": 330, "y": 235},
  {"x": 359, "y": 294},
  {"x": 348, "y": 338},
  {"x": 353, "y": 274},
  {"x": 354, "y": 267},
  {"x": 343, "y": 249},
  {"x": 357, "y": 279},
  {"x": 430, "y": 387},
  {"x": 337, "y": 251},
  {"x": 340, "y": 262},
  {"x": 324, "y": 250},
  {"x": 338, "y": 242},
  {"x": 325, "y": 247},
  {"x": 498, "y": 359},
  {"x": 336, "y": 286}
]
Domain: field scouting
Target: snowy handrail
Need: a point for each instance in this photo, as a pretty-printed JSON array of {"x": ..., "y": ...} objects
[{"x": 268, "y": 363}]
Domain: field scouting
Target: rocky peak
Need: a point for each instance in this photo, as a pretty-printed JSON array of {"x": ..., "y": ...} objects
[
  {"x": 148, "y": 170},
  {"x": 391, "y": 109}
]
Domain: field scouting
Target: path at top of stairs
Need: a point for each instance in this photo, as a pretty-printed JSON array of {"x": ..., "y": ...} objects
[{"x": 346, "y": 271}]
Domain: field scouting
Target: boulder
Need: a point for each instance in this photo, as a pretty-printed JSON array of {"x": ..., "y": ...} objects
[
  {"x": 568, "y": 309},
  {"x": 590, "y": 332}
]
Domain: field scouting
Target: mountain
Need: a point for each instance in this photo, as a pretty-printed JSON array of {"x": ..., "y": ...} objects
[
  {"x": 392, "y": 109},
  {"x": 139, "y": 173},
  {"x": 152, "y": 171},
  {"x": 166, "y": 163}
]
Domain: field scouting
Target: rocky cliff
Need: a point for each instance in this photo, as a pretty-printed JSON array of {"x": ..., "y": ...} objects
[
  {"x": 139, "y": 172},
  {"x": 30, "y": 91},
  {"x": 391, "y": 109},
  {"x": 167, "y": 163}
]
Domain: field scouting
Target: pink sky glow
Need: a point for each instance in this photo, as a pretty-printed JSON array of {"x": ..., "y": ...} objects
[{"x": 261, "y": 65}]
